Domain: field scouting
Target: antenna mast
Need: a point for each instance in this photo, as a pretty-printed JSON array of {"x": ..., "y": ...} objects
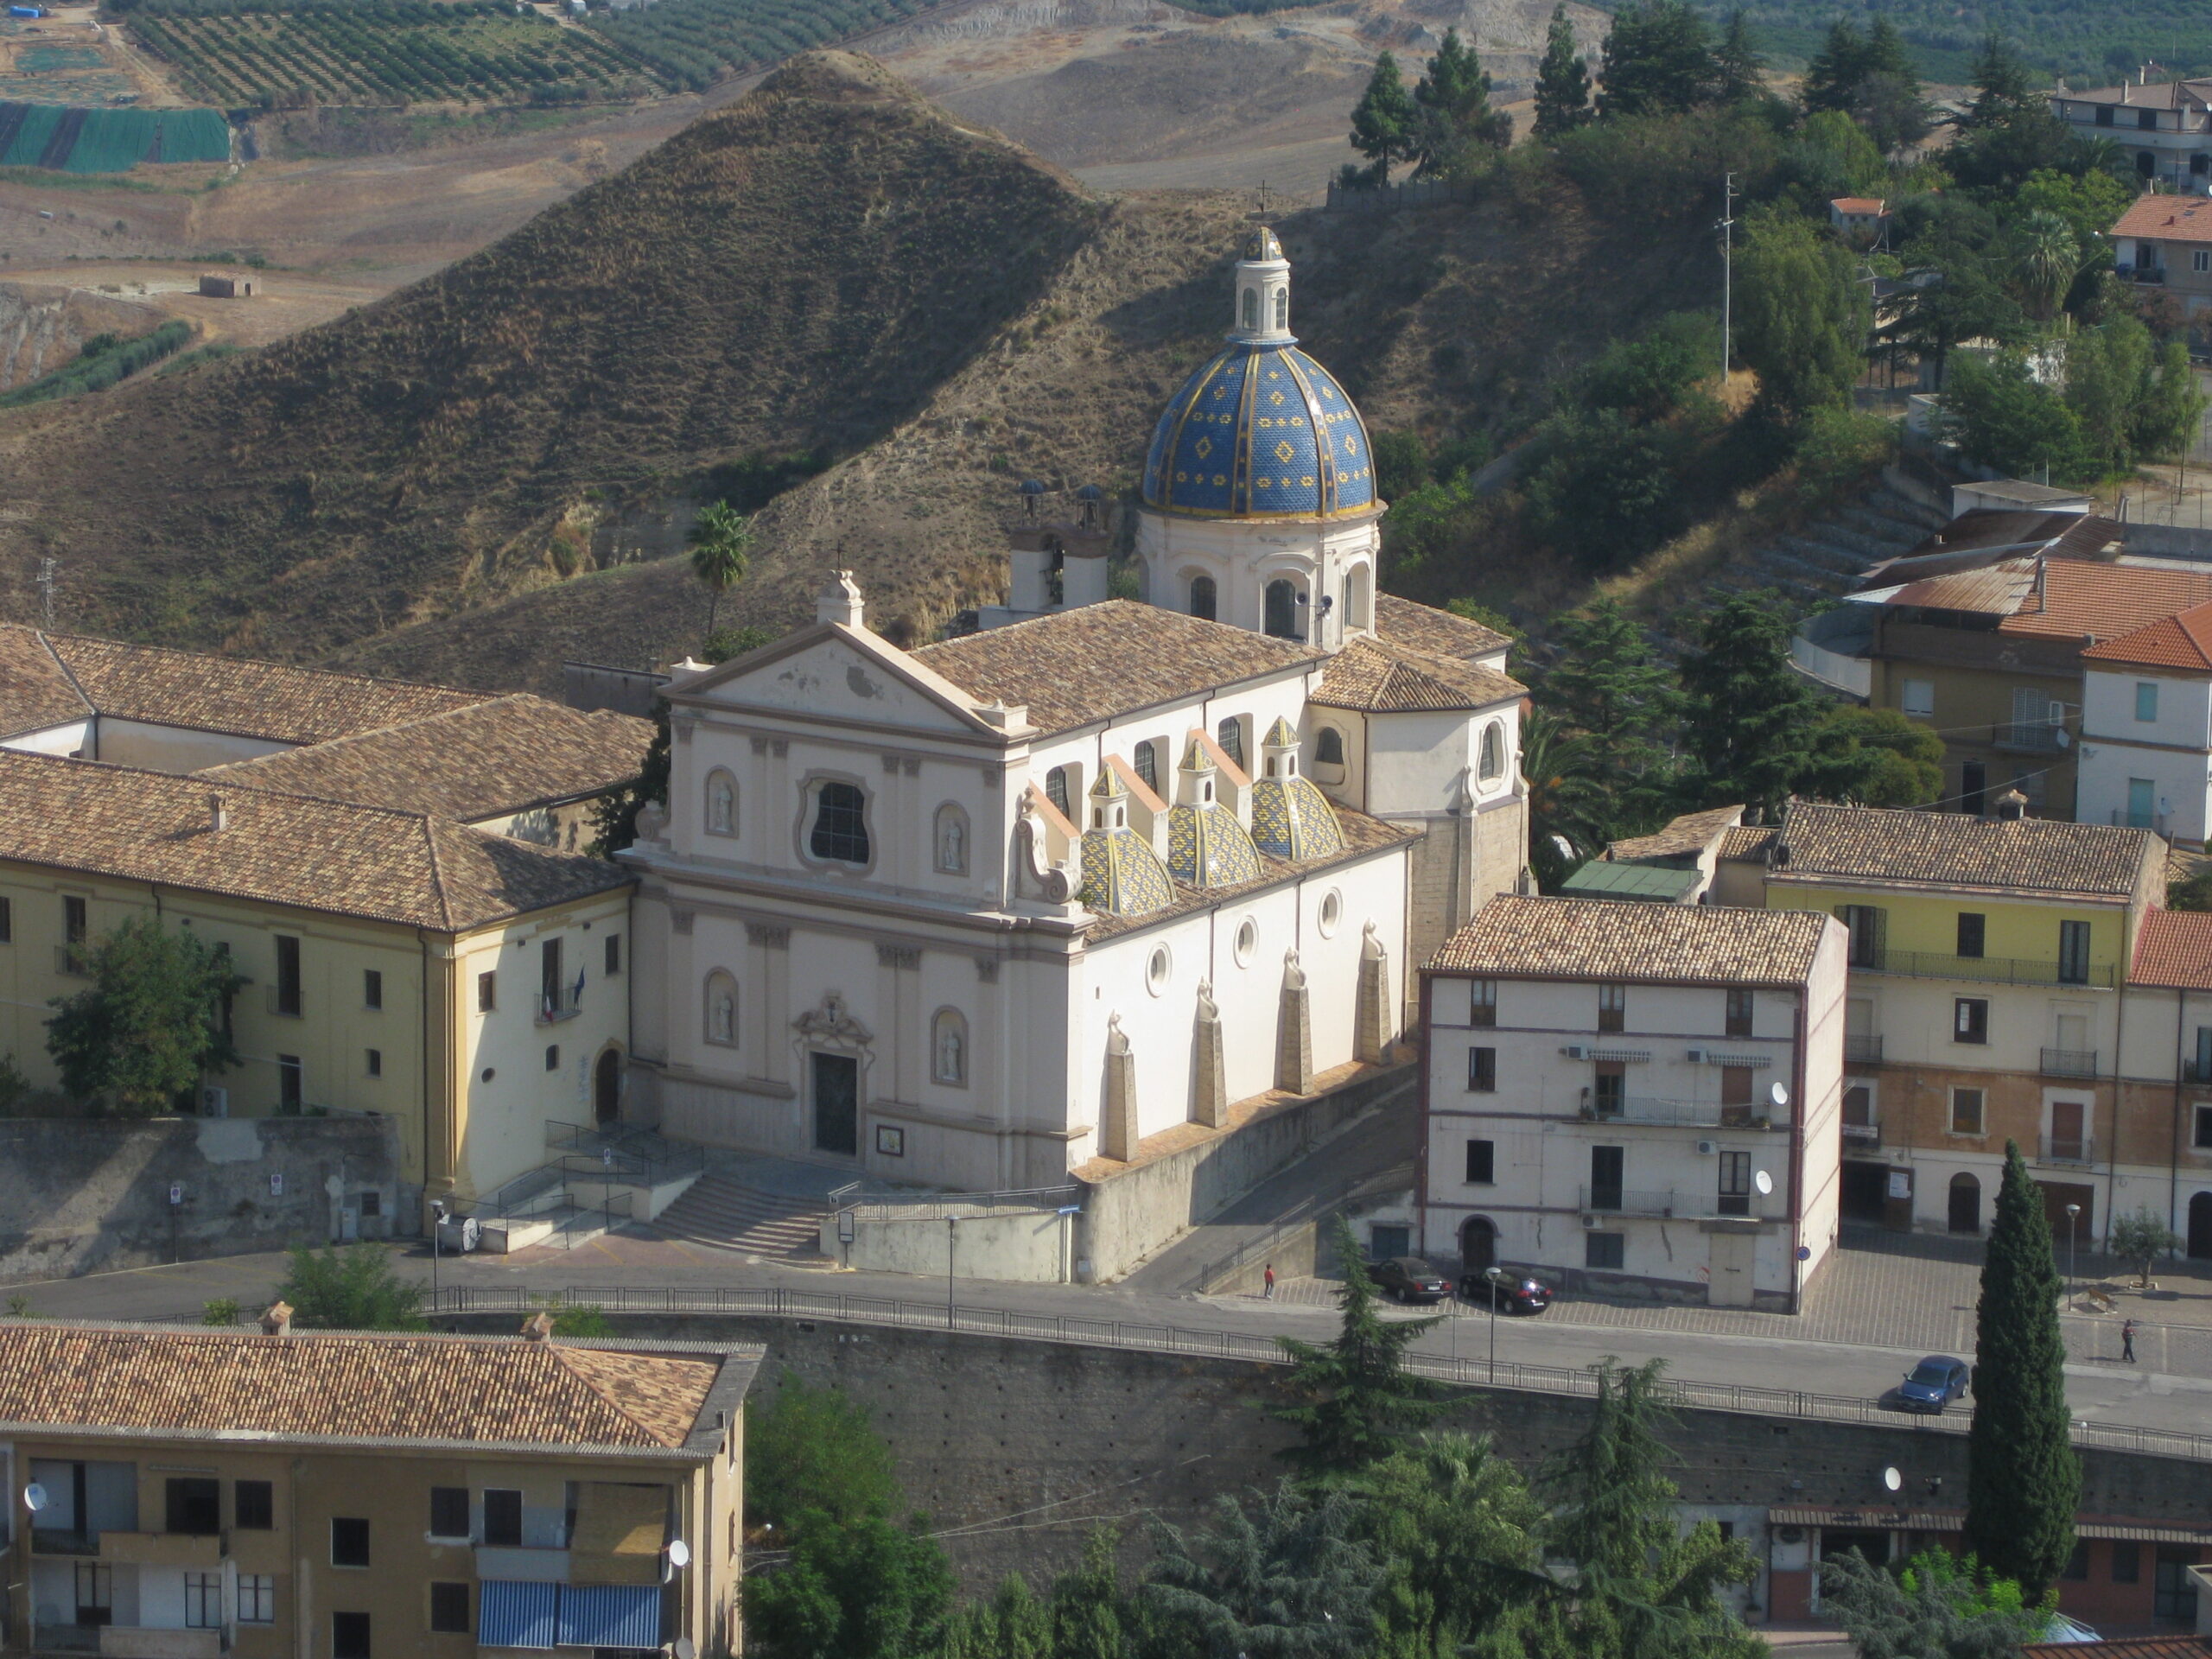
[
  {"x": 1727, "y": 268},
  {"x": 50, "y": 570}
]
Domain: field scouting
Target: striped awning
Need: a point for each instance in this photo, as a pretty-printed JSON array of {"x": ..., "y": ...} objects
[
  {"x": 610, "y": 1616},
  {"x": 510, "y": 1613}
]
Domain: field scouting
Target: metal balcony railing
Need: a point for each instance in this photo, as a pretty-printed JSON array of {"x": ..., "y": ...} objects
[
  {"x": 2027, "y": 736},
  {"x": 554, "y": 1007},
  {"x": 2069, "y": 1149},
  {"x": 2069, "y": 1062},
  {"x": 1669, "y": 1114},
  {"x": 1862, "y": 1051},
  {"x": 1866, "y": 1133},
  {"x": 1983, "y": 970},
  {"x": 1625, "y": 1201}
]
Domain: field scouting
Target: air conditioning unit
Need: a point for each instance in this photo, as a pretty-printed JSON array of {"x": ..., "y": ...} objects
[
  {"x": 214, "y": 1102},
  {"x": 1589, "y": 1221},
  {"x": 1695, "y": 1056},
  {"x": 1575, "y": 1052},
  {"x": 1706, "y": 1148}
]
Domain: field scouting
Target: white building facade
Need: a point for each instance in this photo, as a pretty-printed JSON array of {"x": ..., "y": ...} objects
[
  {"x": 977, "y": 914},
  {"x": 1633, "y": 1095},
  {"x": 2146, "y": 729}
]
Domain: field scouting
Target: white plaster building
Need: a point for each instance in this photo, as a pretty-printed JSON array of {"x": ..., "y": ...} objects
[
  {"x": 1622, "y": 1094},
  {"x": 974, "y": 914},
  {"x": 2146, "y": 728}
]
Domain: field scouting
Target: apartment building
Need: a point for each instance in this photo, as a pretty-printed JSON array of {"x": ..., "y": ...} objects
[
  {"x": 2146, "y": 728},
  {"x": 1635, "y": 1095},
  {"x": 182, "y": 1494},
  {"x": 1987, "y": 959},
  {"x": 2162, "y": 1160}
]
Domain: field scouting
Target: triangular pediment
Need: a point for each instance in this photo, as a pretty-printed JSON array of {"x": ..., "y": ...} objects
[{"x": 837, "y": 673}]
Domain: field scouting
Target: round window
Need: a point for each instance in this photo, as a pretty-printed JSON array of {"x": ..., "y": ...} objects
[
  {"x": 1156, "y": 971},
  {"x": 1332, "y": 911},
  {"x": 1248, "y": 941}
]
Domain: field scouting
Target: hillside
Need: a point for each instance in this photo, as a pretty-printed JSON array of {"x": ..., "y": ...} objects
[{"x": 798, "y": 273}]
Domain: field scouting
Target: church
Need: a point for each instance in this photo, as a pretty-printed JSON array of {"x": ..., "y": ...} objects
[{"x": 977, "y": 914}]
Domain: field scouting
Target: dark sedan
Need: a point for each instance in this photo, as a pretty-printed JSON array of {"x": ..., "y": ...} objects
[
  {"x": 1933, "y": 1384},
  {"x": 1409, "y": 1279},
  {"x": 1505, "y": 1293}
]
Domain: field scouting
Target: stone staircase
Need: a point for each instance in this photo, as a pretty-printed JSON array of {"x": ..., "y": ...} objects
[{"x": 726, "y": 1213}]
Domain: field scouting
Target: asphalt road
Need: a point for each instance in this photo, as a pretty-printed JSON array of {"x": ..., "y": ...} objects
[{"x": 2105, "y": 1391}]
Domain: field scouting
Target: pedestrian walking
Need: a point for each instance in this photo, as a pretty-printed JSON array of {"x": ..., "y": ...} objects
[
  {"x": 1267, "y": 1282},
  {"x": 2127, "y": 1342}
]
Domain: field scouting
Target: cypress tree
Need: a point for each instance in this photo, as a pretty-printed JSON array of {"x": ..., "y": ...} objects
[
  {"x": 1563, "y": 80},
  {"x": 2024, "y": 1478}
]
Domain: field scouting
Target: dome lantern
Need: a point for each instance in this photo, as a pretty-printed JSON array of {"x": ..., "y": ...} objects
[{"x": 1261, "y": 315}]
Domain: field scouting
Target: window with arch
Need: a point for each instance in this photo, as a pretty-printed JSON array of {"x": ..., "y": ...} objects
[
  {"x": 1490, "y": 766},
  {"x": 1204, "y": 602},
  {"x": 1282, "y": 307},
  {"x": 721, "y": 1009},
  {"x": 1359, "y": 597},
  {"x": 1147, "y": 763},
  {"x": 722, "y": 802},
  {"x": 1230, "y": 736},
  {"x": 948, "y": 1047},
  {"x": 840, "y": 831},
  {"x": 1328, "y": 747},
  {"x": 1251, "y": 307},
  {"x": 1056, "y": 788},
  {"x": 951, "y": 840},
  {"x": 1280, "y": 617}
]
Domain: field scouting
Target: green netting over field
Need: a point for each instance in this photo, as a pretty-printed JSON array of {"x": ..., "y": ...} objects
[{"x": 109, "y": 141}]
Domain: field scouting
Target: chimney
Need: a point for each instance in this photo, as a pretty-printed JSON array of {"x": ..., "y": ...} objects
[
  {"x": 277, "y": 1321},
  {"x": 219, "y": 819},
  {"x": 539, "y": 1327},
  {"x": 840, "y": 601},
  {"x": 2012, "y": 805}
]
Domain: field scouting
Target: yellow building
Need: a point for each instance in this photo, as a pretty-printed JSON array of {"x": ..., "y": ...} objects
[{"x": 182, "y": 1495}]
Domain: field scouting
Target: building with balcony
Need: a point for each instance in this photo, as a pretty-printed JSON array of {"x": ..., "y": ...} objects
[
  {"x": 2165, "y": 130},
  {"x": 1635, "y": 1095},
  {"x": 2166, "y": 241},
  {"x": 1988, "y": 959},
  {"x": 177, "y": 1495},
  {"x": 2146, "y": 726}
]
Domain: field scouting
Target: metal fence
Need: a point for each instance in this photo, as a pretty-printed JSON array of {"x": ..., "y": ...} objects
[
  {"x": 810, "y": 1306},
  {"x": 934, "y": 1207}
]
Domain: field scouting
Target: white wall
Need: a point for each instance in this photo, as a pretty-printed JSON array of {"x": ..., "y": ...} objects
[
  {"x": 69, "y": 738},
  {"x": 1243, "y": 556},
  {"x": 173, "y": 748}
]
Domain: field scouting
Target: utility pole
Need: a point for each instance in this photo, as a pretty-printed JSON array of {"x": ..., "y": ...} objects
[
  {"x": 1727, "y": 269},
  {"x": 49, "y": 569}
]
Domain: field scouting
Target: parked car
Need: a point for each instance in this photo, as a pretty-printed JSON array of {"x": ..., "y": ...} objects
[
  {"x": 1409, "y": 1279},
  {"x": 1505, "y": 1293},
  {"x": 1933, "y": 1384}
]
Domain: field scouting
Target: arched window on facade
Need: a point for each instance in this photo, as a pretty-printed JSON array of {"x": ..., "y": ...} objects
[
  {"x": 1282, "y": 307},
  {"x": 1230, "y": 736},
  {"x": 951, "y": 840},
  {"x": 840, "y": 824},
  {"x": 948, "y": 1047},
  {"x": 1202, "y": 598},
  {"x": 1359, "y": 597},
  {"x": 1147, "y": 763},
  {"x": 722, "y": 802},
  {"x": 1251, "y": 307},
  {"x": 721, "y": 1009},
  {"x": 1490, "y": 765},
  {"x": 1056, "y": 788},
  {"x": 1281, "y": 617},
  {"x": 1328, "y": 747}
]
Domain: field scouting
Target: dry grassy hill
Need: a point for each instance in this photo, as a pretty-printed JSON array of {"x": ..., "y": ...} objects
[{"x": 831, "y": 264}]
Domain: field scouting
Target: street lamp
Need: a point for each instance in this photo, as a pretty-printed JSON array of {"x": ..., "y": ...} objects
[
  {"x": 1492, "y": 1274},
  {"x": 950, "y": 1221},
  {"x": 2073, "y": 1234},
  {"x": 438, "y": 1228}
]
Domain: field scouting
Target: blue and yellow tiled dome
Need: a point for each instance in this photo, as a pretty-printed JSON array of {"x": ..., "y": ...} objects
[
  {"x": 1262, "y": 431},
  {"x": 1290, "y": 817},
  {"x": 1121, "y": 875}
]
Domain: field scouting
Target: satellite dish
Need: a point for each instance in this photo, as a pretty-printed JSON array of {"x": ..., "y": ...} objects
[
  {"x": 35, "y": 1498},
  {"x": 1892, "y": 1480},
  {"x": 679, "y": 1553},
  {"x": 1777, "y": 1096},
  {"x": 2062, "y": 738},
  {"x": 686, "y": 1648},
  {"x": 1765, "y": 1182}
]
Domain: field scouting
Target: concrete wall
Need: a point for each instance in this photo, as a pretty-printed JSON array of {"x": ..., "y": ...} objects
[
  {"x": 82, "y": 1196},
  {"x": 1128, "y": 1214},
  {"x": 1034, "y": 1247}
]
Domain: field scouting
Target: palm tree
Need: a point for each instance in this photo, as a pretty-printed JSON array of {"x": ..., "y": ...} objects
[
  {"x": 721, "y": 539},
  {"x": 2050, "y": 258},
  {"x": 1567, "y": 801}
]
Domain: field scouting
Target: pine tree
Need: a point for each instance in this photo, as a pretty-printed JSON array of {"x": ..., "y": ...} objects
[
  {"x": 2024, "y": 1478},
  {"x": 1610, "y": 685},
  {"x": 1749, "y": 717},
  {"x": 1658, "y": 60},
  {"x": 1355, "y": 1394},
  {"x": 2002, "y": 91},
  {"x": 1836, "y": 70},
  {"x": 1453, "y": 111},
  {"x": 1087, "y": 1603},
  {"x": 1382, "y": 121},
  {"x": 1563, "y": 80},
  {"x": 1886, "y": 55},
  {"x": 1740, "y": 70}
]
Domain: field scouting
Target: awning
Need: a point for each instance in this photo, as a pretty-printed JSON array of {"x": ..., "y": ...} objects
[
  {"x": 513, "y": 1614},
  {"x": 610, "y": 1616},
  {"x": 619, "y": 1533}
]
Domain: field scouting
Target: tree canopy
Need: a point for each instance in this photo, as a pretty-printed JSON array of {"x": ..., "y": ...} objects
[
  {"x": 1384, "y": 122},
  {"x": 153, "y": 1021},
  {"x": 1658, "y": 60},
  {"x": 1352, "y": 1398},
  {"x": 1563, "y": 80}
]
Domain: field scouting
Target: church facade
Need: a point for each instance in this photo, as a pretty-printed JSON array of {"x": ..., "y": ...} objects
[{"x": 976, "y": 914}]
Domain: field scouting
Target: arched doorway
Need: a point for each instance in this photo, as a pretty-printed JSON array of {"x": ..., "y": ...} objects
[
  {"x": 1966, "y": 1204},
  {"x": 606, "y": 1087},
  {"x": 1477, "y": 1245},
  {"x": 2199, "y": 1226},
  {"x": 1281, "y": 617}
]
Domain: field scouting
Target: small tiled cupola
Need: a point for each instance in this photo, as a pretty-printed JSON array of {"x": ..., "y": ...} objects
[
  {"x": 1121, "y": 875},
  {"x": 1206, "y": 846},
  {"x": 1290, "y": 818}
]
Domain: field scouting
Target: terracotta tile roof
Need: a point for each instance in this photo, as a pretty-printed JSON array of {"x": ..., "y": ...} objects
[
  {"x": 1091, "y": 664},
  {"x": 407, "y": 867},
  {"x": 1605, "y": 938},
  {"x": 348, "y": 1386},
  {"x": 2183, "y": 641},
  {"x": 485, "y": 760},
  {"x": 222, "y": 694},
  {"x": 1363, "y": 836},
  {"x": 1382, "y": 678},
  {"x": 1433, "y": 633},
  {"x": 2173, "y": 948},
  {"x": 2125, "y": 1647},
  {"x": 1859, "y": 204},
  {"x": 36, "y": 691},
  {"x": 2168, "y": 219},
  {"x": 1750, "y": 841},
  {"x": 1950, "y": 849},
  {"x": 2082, "y": 599},
  {"x": 1691, "y": 833}
]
